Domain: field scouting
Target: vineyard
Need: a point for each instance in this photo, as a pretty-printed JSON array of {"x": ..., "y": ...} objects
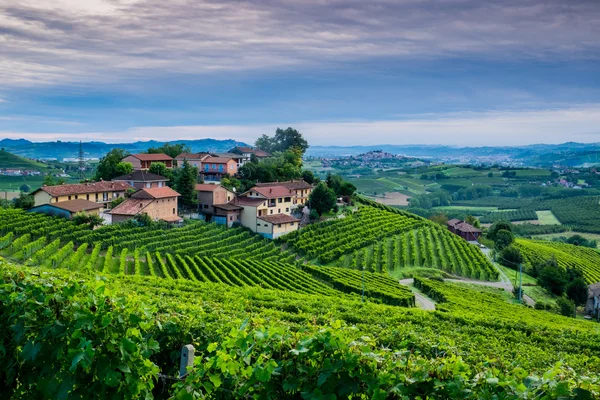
[
  {"x": 585, "y": 259},
  {"x": 328, "y": 241},
  {"x": 516, "y": 215},
  {"x": 62, "y": 325},
  {"x": 580, "y": 213},
  {"x": 428, "y": 246}
]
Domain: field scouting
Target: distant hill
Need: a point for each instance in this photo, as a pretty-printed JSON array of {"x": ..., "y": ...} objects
[
  {"x": 62, "y": 150},
  {"x": 12, "y": 161}
]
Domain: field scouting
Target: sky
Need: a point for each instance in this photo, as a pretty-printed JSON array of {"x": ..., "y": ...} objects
[{"x": 343, "y": 72}]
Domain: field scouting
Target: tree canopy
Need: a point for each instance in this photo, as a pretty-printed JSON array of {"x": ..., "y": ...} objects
[
  {"x": 322, "y": 198},
  {"x": 172, "y": 150},
  {"x": 107, "y": 167},
  {"x": 284, "y": 139},
  {"x": 185, "y": 183},
  {"x": 124, "y": 168}
]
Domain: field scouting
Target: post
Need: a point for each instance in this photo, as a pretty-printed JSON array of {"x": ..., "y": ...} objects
[
  {"x": 521, "y": 282},
  {"x": 187, "y": 359}
]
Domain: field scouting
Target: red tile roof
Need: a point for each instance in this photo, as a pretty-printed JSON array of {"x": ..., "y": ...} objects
[
  {"x": 279, "y": 219},
  {"x": 217, "y": 160},
  {"x": 155, "y": 193},
  {"x": 247, "y": 201},
  {"x": 206, "y": 187},
  {"x": 141, "y": 176},
  {"x": 131, "y": 206},
  {"x": 466, "y": 228},
  {"x": 228, "y": 207},
  {"x": 192, "y": 156},
  {"x": 453, "y": 222},
  {"x": 84, "y": 188},
  {"x": 151, "y": 157},
  {"x": 273, "y": 191},
  {"x": 293, "y": 184},
  {"x": 77, "y": 205},
  {"x": 256, "y": 152}
]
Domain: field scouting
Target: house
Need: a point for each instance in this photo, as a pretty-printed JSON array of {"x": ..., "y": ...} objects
[
  {"x": 67, "y": 209},
  {"x": 213, "y": 168},
  {"x": 266, "y": 210},
  {"x": 158, "y": 203},
  {"x": 464, "y": 230},
  {"x": 592, "y": 306},
  {"x": 301, "y": 189},
  {"x": 246, "y": 152},
  {"x": 141, "y": 179},
  {"x": 195, "y": 159},
  {"x": 100, "y": 192},
  {"x": 143, "y": 161},
  {"x": 213, "y": 204}
]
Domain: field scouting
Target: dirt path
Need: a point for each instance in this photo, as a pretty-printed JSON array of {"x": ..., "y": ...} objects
[{"x": 423, "y": 302}]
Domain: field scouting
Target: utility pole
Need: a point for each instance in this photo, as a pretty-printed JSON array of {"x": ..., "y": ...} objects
[
  {"x": 521, "y": 282},
  {"x": 81, "y": 173}
]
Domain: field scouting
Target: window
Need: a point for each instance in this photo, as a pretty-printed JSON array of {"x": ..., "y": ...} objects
[
  {"x": 96, "y": 196},
  {"x": 291, "y": 224},
  {"x": 271, "y": 212},
  {"x": 279, "y": 225},
  {"x": 205, "y": 206},
  {"x": 69, "y": 197},
  {"x": 266, "y": 226},
  {"x": 288, "y": 199},
  {"x": 220, "y": 167},
  {"x": 206, "y": 167},
  {"x": 279, "y": 211},
  {"x": 87, "y": 196},
  {"x": 287, "y": 209},
  {"x": 160, "y": 184},
  {"x": 231, "y": 217},
  {"x": 173, "y": 211},
  {"x": 105, "y": 196},
  {"x": 231, "y": 166},
  {"x": 148, "y": 184},
  {"x": 214, "y": 166}
]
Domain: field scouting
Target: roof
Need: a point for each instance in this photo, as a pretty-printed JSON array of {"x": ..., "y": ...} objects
[
  {"x": 228, "y": 207},
  {"x": 293, "y": 184},
  {"x": 83, "y": 188},
  {"x": 247, "y": 201},
  {"x": 464, "y": 227},
  {"x": 207, "y": 187},
  {"x": 271, "y": 192},
  {"x": 217, "y": 160},
  {"x": 151, "y": 157},
  {"x": 453, "y": 222},
  {"x": 155, "y": 193},
  {"x": 140, "y": 176},
  {"x": 279, "y": 219},
  {"x": 172, "y": 218},
  {"x": 77, "y": 205},
  {"x": 192, "y": 156},
  {"x": 131, "y": 206},
  {"x": 229, "y": 155}
]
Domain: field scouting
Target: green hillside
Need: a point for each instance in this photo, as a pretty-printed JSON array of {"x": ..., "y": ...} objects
[{"x": 12, "y": 161}]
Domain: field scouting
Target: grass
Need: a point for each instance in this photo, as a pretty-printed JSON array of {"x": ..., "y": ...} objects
[
  {"x": 547, "y": 218},
  {"x": 530, "y": 287},
  {"x": 412, "y": 272},
  {"x": 550, "y": 236},
  {"x": 506, "y": 296}
]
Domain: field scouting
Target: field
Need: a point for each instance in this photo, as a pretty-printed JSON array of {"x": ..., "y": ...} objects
[
  {"x": 392, "y": 199},
  {"x": 584, "y": 259},
  {"x": 550, "y": 236},
  {"x": 516, "y": 215},
  {"x": 547, "y": 218}
]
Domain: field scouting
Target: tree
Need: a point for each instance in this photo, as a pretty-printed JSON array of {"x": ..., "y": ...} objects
[
  {"x": 25, "y": 188},
  {"x": 172, "y": 150},
  {"x": 93, "y": 220},
  {"x": 50, "y": 181},
  {"x": 308, "y": 176},
  {"x": 566, "y": 307},
  {"x": 231, "y": 183},
  {"x": 284, "y": 139},
  {"x": 347, "y": 189},
  {"x": 159, "y": 168},
  {"x": 490, "y": 174},
  {"x": 25, "y": 201},
  {"x": 116, "y": 202},
  {"x": 511, "y": 257},
  {"x": 498, "y": 226},
  {"x": 441, "y": 219},
  {"x": 471, "y": 220},
  {"x": 124, "y": 168},
  {"x": 185, "y": 183},
  {"x": 577, "y": 290},
  {"x": 503, "y": 239},
  {"x": 334, "y": 182},
  {"x": 322, "y": 198},
  {"x": 107, "y": 167},
  {"x": 552, "y": 277}
]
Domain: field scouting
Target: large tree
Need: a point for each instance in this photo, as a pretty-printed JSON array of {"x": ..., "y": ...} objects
[
  {"x": 172, "y": 150},
  {"x": 322, "y": 198},
  {"x": 25, "y": 201},
  {"x": 503, "y": 239},
  {"x": 159, "y": 168},
  {"x": 284, "y": 139},
  {"x": 124, "y": 168},
  {"x": 553, "y": 277},
  {"x": 107, "y": 167},
  {"x": 185, "y": 183},
  {"x": 577, "y": 290}
]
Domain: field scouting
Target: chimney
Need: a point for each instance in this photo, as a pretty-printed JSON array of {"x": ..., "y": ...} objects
[{"x": 270, "y": 190}]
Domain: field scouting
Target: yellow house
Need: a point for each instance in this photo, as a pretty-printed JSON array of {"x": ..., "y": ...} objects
[
  {"x": 301, "y": 188},
  {"x": 267, "y": 210},
  {"x": 99, "y": 192}
]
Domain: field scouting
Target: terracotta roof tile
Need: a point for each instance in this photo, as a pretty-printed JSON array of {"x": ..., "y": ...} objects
[
  {"x": 464, "y": 227},
  {"x": 84, "y": 188},
  {"x": 155, "y": 193},
  {"x": 206, "y": 187},
  {"x": 77, "y": 205},
  {"x": 217, "y": 160},
  {"x": 151, "y": 157},
  {"x": 271, "y": 192},
  {"x": 192, "y": 156},
  {"x": 293, "y": 184},
  {"x": 247, "y": 201},
  {"x": 279, "y": 219},
  {"x": 131, "y": 206}
]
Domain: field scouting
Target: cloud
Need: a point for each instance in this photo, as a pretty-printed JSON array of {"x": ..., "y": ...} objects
[
  {"x": 89, "y": 42},
  {"x": 500, "y": 128}
]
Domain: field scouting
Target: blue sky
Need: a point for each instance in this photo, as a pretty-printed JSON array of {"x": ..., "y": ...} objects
[{"x": 459, "y": 72}]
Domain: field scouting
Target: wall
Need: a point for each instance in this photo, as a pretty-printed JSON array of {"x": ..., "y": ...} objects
[
  {"x": 249, "y": 217},
  {"x": 42, "y": 197},
  {"x": 161, "y": 208},
  {"x": 88, "y": 196},
  {"x": 137, "y": 164},
  {"x": 283, "y": 229}
]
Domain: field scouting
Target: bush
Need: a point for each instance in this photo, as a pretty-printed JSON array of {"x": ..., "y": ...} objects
[{"x": 566, "y": 307}]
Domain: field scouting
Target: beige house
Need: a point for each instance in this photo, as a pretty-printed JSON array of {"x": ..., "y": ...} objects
[
  {"x": 99, "y": 192},
  {"x": 158, "y": 203},
  {"x": 195, "y": 159},
  {"x": 143, "y": 161},
  {"x": 302, "y": 189},
  {"x": 266, "y": 210}
]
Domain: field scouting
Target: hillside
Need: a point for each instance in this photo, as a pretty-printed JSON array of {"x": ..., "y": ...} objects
[{"x": 13, "y": 161}]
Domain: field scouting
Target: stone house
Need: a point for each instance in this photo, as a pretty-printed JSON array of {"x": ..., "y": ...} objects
[{"x": 157, "y": 203}]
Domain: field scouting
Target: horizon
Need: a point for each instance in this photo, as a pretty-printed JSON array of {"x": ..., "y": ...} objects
[{"x": 459, "y": 73}]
